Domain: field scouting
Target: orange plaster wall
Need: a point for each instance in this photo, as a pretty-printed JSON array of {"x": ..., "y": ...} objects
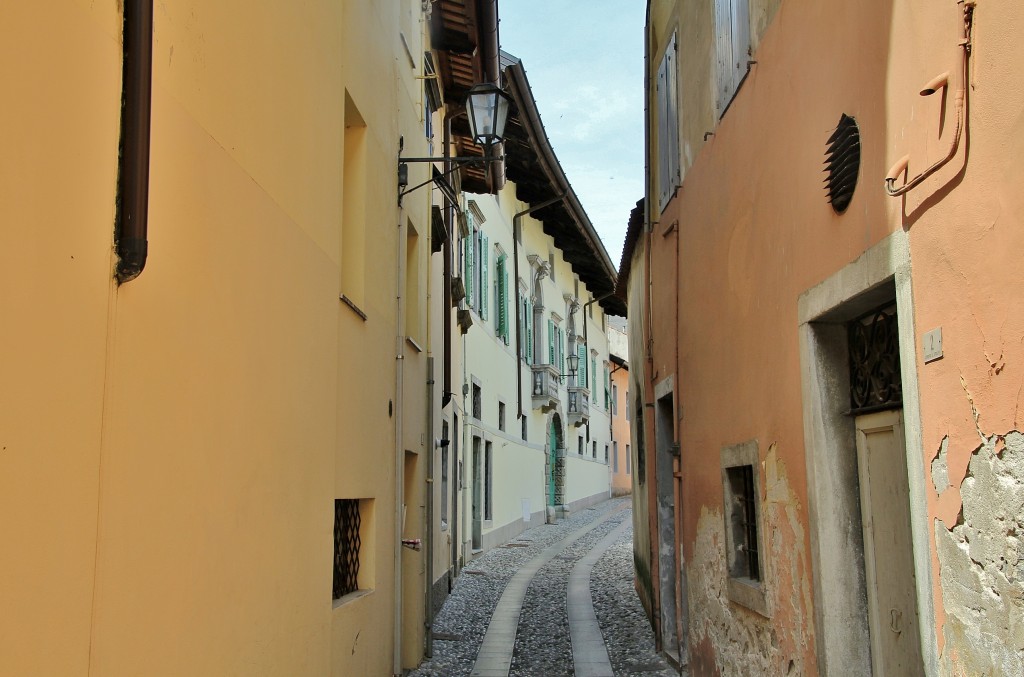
[
  {"x": 621, "y": 481},
  {"x": 756, "y": 231}
]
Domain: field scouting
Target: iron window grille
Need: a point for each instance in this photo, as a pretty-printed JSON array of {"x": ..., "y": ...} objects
[
  {"x": 346, "y": 546},
  {"x": 746, "y": 561},
  {"x": 874, "y": 347}
]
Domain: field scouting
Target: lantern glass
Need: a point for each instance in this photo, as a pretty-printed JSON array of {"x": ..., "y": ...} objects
[
  {"x": 574, "y": 363},
  {"x": 488, "y": 109}
]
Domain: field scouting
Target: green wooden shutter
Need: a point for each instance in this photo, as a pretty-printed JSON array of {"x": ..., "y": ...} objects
[
  {"x": 502, "y": 299},
  {"x": 551, "y": 342},
  {"x": 484, "y": 288},
  {"x": 561, "y": 351},
  {"x": 467, "y": 276},
  {"x": 607, "y": 390},
  {"x": 529, "y": 332},
  {"x": 581, "y": 352},
  {"x": 593, "y": 374}
]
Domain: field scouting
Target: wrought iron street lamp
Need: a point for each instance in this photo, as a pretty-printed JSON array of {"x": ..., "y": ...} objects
[{"x": 487, "y": 108}]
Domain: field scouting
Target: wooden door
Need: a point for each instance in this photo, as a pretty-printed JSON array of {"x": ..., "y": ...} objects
[{"x": 888, "y": 545}]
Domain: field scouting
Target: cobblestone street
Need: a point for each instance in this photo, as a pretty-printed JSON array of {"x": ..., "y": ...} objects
[{"x": 557, "y": 600}]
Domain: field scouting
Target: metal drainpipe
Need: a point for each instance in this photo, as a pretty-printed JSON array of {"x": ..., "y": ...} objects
[
  {"x": 130, "y": 231},
  {"x": 399, "y": 431},
  {"x": 428, "y": 617},
  {"x": 449, "y": 393},
  {"x": 517, "y": 229},
  {"x": 652, "y": 514}
]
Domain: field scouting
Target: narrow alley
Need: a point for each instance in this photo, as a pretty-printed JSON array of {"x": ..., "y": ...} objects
[{"x": 557, "y": 600}]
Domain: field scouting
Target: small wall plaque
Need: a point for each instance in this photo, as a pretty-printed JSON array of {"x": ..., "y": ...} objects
[{"x": 932, "y": 341}]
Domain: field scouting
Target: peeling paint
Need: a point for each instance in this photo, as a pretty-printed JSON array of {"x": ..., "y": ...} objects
[
  {"x": 726, "y": 637},
  {"x": 940, "y": 467},
  {"x": 981, "y": 564}
]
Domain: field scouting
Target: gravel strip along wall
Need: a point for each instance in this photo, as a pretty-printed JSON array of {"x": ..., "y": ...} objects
[{"x": 627, "y": 633}]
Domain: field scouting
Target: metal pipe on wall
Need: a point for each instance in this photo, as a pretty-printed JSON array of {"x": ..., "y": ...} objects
[{"x": 130, "y": 230}]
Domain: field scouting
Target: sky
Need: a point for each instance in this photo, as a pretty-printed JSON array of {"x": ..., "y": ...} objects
[{"x": 584, "y": 61}]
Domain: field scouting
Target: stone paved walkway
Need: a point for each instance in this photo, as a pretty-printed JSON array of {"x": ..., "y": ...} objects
[{"x": 528, "y": 608}]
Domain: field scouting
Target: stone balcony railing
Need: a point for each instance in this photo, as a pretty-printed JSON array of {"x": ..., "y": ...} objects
[
  {"x": 544, "y": 386},
  {"x": 579, "y": 406}
]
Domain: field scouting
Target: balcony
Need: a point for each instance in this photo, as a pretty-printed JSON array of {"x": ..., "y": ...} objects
[
  {"x": 579, "y": 406},
  {"x": 544, "y": 386}
]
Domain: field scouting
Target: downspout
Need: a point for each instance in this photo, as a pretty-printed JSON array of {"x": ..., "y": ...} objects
[
  {"x": 446, "y": 393},
  {"x": 428, "y": 617},
  {"x": 960, "y": 104},
  {"x": 451, "y": 217},
  {"x": 130, "y": 239},
  {"x": 399, "y": 432},
  {"x": 648, "y": 339},
  {"x": 516, "y": 234}
]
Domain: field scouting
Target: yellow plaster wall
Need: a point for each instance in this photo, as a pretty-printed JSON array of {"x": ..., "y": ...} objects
[{"x": 171, "y": 449}]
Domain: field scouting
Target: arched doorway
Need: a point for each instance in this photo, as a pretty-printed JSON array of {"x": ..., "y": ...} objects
[{"x": 555, "y": 463}]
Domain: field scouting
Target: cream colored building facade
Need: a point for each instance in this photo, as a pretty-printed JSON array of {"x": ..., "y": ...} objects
[
  {"x": 184, "y": 455},
  {"x": 524, "y": 444}
]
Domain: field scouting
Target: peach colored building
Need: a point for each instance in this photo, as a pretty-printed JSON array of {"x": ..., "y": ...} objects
[
  {"x": 823, "y": 289},
  {"x": 618, "y": 395}
]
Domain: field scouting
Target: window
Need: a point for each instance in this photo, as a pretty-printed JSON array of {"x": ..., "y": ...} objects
[
  {"x": 525, "y": 328},
  {"x": 478, "y": 405},
  {"x": 608, "y": 390},
  {"x": 475, "y": 258},
  {"x": 353, "y": 206},
  {"x": 551, "y": 265},
  {"x": 606, "y": 454},
  {"x": 501, "y": 416},
  {"x": 629, "y": 462},
  {"x": 412, "y": 283},
  {"x": 615, "y": 400},
  {"x": 579, "y": 446},
  {"x": 732, "y": 50},
  {"x": 593, "y": 451},
  {"x": 628, "y": 417},
  {"x": 615, "y": 456},
  {"x": 593, "y": 373},
  {"x": 742, "y": 508},
  {"x": 523, "y": 420},
  {"x": 353, "y": 529},
  {"x": 668, "y": 125}
]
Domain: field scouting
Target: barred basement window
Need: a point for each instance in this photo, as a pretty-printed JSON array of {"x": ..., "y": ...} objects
[
  {"x": 346, "y": 546},
  {"x": 743, "y": 518},
  {"x": 743, "y": 537}
]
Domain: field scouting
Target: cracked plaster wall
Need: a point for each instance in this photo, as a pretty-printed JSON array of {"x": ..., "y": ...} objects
[
  {"x": 727, "y": 638},
  {"x": 981, "y": 560}
]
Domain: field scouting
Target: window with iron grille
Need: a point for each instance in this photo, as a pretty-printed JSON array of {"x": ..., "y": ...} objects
[
  {"x": 478, "y": 405},
  {"x": 743, "y": 537},
  {"x": 873, "y": 342},
  {"x": 346, "y": 546},
  {"x": 744, "y": 562}
]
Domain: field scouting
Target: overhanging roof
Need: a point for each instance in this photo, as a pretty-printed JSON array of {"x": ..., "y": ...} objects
[
  {"x": 531, "y": 163},
  {"x": 633, "y": 230},
  {"x": 464, "y": 35}
]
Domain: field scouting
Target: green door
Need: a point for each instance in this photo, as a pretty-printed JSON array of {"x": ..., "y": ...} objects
[{"x": 552, "y": 460}]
